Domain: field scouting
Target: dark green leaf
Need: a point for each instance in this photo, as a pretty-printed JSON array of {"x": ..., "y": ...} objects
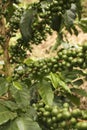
[
  {"x": 74, "y": 99},
  {"x": 3, "y": 86},
  {"x": 80, "y": 92},
  {"x": 26, "y": 24},
  {"x": 5, "y": 126},
  {"x": 78, "y": 82},
  {"x": 6, "y": 115},
  {"x": 11, "y": 10},
  {"x": 56, "y": 23},
  {"x": 69, "y": 76},
  {"x": 9, "y": 104},
  {"x": 83, "y": 24}
]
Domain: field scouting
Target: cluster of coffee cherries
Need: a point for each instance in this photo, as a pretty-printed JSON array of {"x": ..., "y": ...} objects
[
  {"x": 15, "y": 19},
  {"x": 66, "y": 59},
  {"x": 63, "y": 118},
  {"x": 18, "y": 51},
  {"x": 47, "y": 11}
]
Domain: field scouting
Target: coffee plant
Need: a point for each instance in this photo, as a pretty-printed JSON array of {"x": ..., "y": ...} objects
[
  {"x": 63, "y": 117},
  {"x": 43, "y": 93}
]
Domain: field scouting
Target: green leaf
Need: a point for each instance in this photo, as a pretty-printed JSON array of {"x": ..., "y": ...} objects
[
  {"x": 28, "y": 61},
  {"x": 5, "y": 126},
  {"x": 83, "y": 24},
  {"x": 3, "y": 86},
  {"x": 11, "y": 105},
  {"x": 31, "y": 113},
  {"x": 24, "y": 123},
  {"x": 46, "y": 92},
  {"x": 63, "y": 85},
  {"x": 57, "y": 81},
  {"x": 6, "y": 115},
  {"x": 26, "y": 24},
  {"x": 84, "y": 114},
  {"x": 80, "y": 92},
  {"x": 78, "y": 82},
  {"x": 17, "y": 85},
  {"x": 70, "y": 16},
  {"x": 74, "y": 99},
  {"x": 73, "y": 75},
  {"x": 21, "y": 97},
  {"x": 56, "y": 23},
  {"x": 53, "y": 79}
]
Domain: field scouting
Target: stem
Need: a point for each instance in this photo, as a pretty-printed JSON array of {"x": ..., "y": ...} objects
[
  {"x": 5, "y": 44},
  {"x": 6, "y": 58},
  {"x": 58, "y": 42}
]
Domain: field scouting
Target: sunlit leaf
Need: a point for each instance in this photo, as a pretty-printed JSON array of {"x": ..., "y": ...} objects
[
  {"x": 57, "y": 81},
  {"x": 46, "y": 92},
  {"x": 28, "y": 61},
  {"x": 17, "y": 85},
  {"x": 53, "y": 78}
]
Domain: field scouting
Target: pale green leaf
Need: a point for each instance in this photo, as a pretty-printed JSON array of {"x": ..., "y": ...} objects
[
  {"x": 28, "y": 61},
  {"x": 24, "y": 123},
  {"x": 53, "y": 79},
  {"x": 46, "y": 92},
  {"x": 57, "y": 81},
  {"x": 63, "y": 85},
  {"x": 17, "y": 85}
]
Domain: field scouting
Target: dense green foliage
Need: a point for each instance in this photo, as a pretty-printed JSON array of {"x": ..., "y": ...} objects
[{"x": 41, "y": 94}]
